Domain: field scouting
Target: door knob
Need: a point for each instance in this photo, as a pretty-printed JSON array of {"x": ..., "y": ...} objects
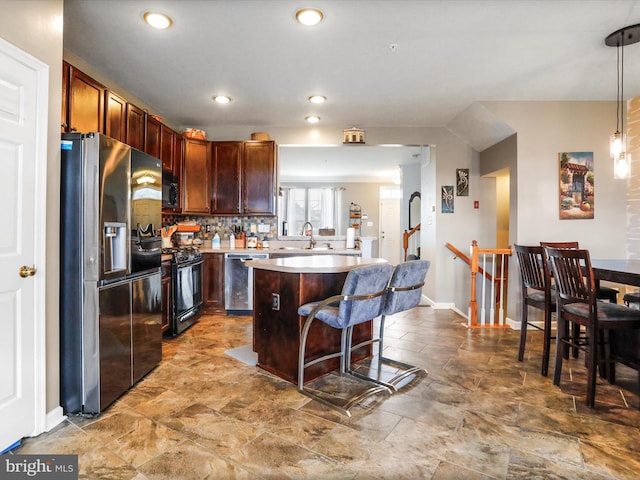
[{"x": 27, "y": 271}]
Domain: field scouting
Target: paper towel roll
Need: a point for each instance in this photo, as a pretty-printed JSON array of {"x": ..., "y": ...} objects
[{"x": 351, "y": 237}]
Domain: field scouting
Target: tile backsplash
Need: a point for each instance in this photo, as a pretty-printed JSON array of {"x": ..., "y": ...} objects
[{"x": 224, "y": 225}]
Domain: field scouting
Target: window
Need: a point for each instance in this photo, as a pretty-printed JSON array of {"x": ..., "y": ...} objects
[{"x": 321, "y": 206}]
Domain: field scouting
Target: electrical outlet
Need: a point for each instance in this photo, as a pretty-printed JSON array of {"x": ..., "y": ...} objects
[
  {"x": 275, "y": 301},
  {"x": 264, "y": 228}
]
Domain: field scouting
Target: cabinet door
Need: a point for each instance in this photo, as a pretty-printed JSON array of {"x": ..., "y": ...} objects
[
  {"x": 259, "y": 178},
  {"x": 152, "y": 137},
  {"x": 166, "y": 147},
  {"x": 135, "y": 127},
  {"x": 213, "y": 282},
  {"x": 86, "y": 103},
  {"x": 178, "y": 154},
  {"x": 115, "y": 116},
  {"x": 195, "y": 176},
  {"x": 225, "y": 189},
  {"x": 167, "y": 299},
  {"x": 64, "y": 122}
]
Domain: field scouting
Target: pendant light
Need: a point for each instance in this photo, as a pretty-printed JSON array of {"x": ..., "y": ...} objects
[{"x": 618, "y": 141}]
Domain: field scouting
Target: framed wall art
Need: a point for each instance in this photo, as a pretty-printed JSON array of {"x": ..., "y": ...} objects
[
  {"x": 462, "y": 182},
  {"x": 447, "y": 199},
  {"x": 577, "y": 196}
]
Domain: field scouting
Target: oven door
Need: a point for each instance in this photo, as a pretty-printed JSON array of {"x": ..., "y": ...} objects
[{"x": 187, "y": 298}]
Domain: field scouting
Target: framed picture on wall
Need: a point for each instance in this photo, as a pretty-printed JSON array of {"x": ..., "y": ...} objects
[
  {"x": 462, "y": 182},
  {"x": 447, "y": 199},
  {"x": 577, "y": 192}
]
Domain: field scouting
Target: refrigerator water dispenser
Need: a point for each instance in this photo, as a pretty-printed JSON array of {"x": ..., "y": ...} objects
[{"x": 115, "y": 247}]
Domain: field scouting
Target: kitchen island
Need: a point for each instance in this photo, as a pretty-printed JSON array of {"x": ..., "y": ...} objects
[{"x": 281, "y": 285}]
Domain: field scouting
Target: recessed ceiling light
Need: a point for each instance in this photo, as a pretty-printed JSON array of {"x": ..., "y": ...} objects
[
  {"x": 221, "y": 99},
  {"x": 158, "y": 20},
  {"x": 317, "y": 99},
  {"x": 309, "y": 16},
  {"x": 312, "y": 119}
]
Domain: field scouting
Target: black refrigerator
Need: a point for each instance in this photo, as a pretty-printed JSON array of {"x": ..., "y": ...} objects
[{"x": 110, "y": 289}]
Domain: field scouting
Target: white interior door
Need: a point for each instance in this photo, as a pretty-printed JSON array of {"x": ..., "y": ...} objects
[
  {"x": 390, "y": 198},
  {"x": 23, "y": 125}
]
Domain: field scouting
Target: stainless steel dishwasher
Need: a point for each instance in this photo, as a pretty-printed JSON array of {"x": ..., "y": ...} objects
[{"x": 238, "y": 282}]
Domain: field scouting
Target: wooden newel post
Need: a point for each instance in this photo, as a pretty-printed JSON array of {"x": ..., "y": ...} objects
[{"x": 473, "y": 303}]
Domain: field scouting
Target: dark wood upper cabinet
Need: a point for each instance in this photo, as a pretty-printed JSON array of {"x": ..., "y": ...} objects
[
  {"x": 167, "y": 145},
  {"x": 225, "y": 188},
  {"x": 64, "y": 122},
  {"x": 152, "y": 137},
  {"x": 135, "y": 127},
  {"x": 196, "y": 167},
  {"x": 115, "y": 116},
  {"x": 259, "y": 178},
  {"x": 86, "y": 103}
]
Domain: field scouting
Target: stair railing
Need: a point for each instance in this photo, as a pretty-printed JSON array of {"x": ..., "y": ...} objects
[
  {"x": 405, "y": 240},
  {"x": 494, "y": 314}
]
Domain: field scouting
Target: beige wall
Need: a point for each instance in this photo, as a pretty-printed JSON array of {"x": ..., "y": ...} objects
[
  {"x": 545, "y": 129},
  {"x": 35, "y": 26},
  {"x": 633, "y": 194}
]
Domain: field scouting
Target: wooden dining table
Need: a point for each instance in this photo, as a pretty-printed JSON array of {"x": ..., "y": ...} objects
[{"x": 622, "y": 271}]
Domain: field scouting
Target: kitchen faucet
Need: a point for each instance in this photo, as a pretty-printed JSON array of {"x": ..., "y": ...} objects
[{"x": 312, "y": 242}]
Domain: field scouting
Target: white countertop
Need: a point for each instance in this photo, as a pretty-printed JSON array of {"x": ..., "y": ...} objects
[
  {"x": 285, "y": 250},
  {"x": 313, "y": 263}
]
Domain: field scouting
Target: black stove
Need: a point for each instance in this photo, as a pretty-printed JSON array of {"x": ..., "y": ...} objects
[
  {"x": 181, "y": 255},
  {"x": 186, "y": 287}
]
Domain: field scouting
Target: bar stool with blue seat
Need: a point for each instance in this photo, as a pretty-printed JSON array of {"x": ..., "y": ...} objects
[
  {"x": 362, "y": 299},
  {"x": 403, "y": 293}
]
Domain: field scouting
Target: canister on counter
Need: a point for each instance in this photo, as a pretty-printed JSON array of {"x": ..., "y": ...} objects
[{"x": 252, "y": 241}]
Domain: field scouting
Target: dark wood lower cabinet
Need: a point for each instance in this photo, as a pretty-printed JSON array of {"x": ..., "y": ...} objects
[
  {"x": 213, "y": 301},
  {"x": 276, "y": 333}
]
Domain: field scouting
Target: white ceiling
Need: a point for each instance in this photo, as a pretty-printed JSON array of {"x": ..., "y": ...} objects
[{"x": 450, "y": 54}]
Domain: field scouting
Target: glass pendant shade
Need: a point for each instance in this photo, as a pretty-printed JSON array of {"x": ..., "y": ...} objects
[
  {"x": 622, "y": 166},
  {"x": 616, "y": 144}
]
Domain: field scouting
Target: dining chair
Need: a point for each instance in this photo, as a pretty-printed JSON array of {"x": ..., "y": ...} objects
[
  {"x": 602, "y": 293},
  {"x": 404, "y": 292},
  {"x": 361, "y": 299},
  {"x": 577, "y": 303},
  {"x": 535, "y": 281}
]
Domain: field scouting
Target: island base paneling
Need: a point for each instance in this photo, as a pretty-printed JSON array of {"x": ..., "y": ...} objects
[{"x": 276, "y": 333}]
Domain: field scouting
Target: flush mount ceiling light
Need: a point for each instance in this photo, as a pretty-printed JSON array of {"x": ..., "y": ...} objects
[
  {"x": 158, "y": 20},
  {"x": 309, "y": 16},
  {"x": 221, "y": 99},
  {"x": 312, "y": 119},
  {"x": 618, "y": 141},
  {"x": 317, "y": 98}
]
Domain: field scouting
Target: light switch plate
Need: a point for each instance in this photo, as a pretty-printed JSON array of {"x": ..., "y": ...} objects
[
  {"x": 264, "y": 228},
  {"x": 275, "y": 301}
]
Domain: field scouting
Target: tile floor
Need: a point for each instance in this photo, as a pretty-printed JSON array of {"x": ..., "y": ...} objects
[{"x": 479, "y": 414}]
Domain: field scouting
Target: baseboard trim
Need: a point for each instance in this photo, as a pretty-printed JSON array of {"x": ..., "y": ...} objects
[{"x": 55, "y": 417}]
